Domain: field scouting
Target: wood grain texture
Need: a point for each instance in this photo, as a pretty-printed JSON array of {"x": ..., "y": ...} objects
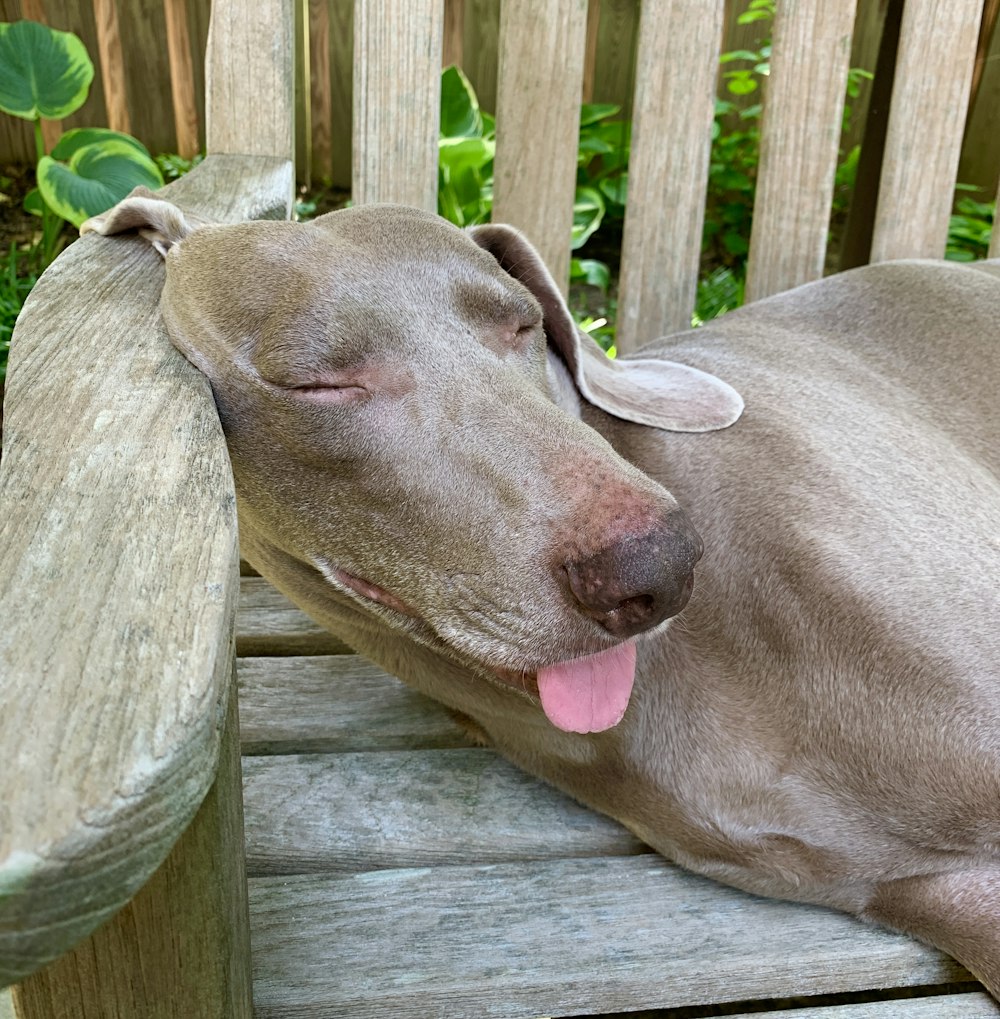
[
  {"x": 590, "y": 51},
  {"x": 117, "y": 611},
  {"x": 980, "y": 162},
  {"x": 342, "y": 813},
  {"x": 617, "y": 46},
  {"x": 942, "y": 1006},
  {"x": 181, "y": 947},
  {"x": 109, "y": 44},
  {"x": 182, "y": 77},
  {"x": 320, "y": 94},
  {"x": 481, "y": 49},
  {"x": 269, "y": 624},
  {"x": 452, "y": 44},
  {"x": 397, "y": 101},
  {"x": 336, "y": 703},
  {"x": 799, "y": 146},
  {"x": 553, "y": 937},
  {"x": 249, "y": 73},
  {"x": 539, "y": 85},
  {"x": 937, "y": 50},
  {"x": 668, "y": 168}
]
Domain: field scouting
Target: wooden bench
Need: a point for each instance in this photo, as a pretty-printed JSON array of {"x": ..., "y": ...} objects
[{"x": 388, "y": 868}]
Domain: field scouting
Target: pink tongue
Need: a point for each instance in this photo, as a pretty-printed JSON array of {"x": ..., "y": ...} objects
[{"x": 588, "y": 694}]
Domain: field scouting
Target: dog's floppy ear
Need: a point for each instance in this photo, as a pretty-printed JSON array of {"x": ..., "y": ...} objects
[
  {"x": 663, "y": 394},
  {"x": 159, "y": 221}
]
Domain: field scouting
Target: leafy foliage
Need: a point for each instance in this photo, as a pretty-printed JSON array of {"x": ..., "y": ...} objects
[
  {"x": 45, "y": 73},
  {"x": 15, "y": 285},
  {"x": 970, "y": 228}
]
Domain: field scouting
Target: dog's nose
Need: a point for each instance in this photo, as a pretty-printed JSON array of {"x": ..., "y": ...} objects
[{"x": 639, "y": 580}]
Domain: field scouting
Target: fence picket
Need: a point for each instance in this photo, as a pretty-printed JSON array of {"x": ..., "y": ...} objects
[
  {"x": 109, "y": 43},
  {"x": 182, "y": 77}
]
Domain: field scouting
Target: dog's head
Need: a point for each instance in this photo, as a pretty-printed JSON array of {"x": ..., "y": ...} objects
[{"x": 401, "y": 401}]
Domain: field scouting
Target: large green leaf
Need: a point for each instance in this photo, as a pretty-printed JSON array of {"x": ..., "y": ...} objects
[
  {"x": 97, "y": 177},
  {"x": 43, "y": 73},
  {"x": 80, "y": 137},
  {"x": 460, "y": 116},
  {"x": 588, "y": 211}
]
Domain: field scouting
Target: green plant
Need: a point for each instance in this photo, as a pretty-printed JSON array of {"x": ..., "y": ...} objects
[
  {"x": 465, "y": 153},
  {"x": 173, "y": 166},
  {"x": 970, "y": 228},
  {"x": 14, "y": 289},
  {"x": 47, "y": 74}
]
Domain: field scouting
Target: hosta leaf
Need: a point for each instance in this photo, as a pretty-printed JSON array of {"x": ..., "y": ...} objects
[
  {"x": 460, "y": 116},
  {"x": 97, "y": 177},
  {"x": 80, "y": 137},
  {"x": 588, "y": 211},
  {"x": 43, "y": 73}
]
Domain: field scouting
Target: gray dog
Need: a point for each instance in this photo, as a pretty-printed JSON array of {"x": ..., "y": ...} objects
[{"x": 437, "y": 466}]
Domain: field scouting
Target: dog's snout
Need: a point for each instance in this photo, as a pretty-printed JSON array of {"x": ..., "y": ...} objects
[{"x": 638, "y": 580}]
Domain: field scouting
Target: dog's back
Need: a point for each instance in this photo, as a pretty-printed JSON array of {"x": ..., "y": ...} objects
[{"x": 824, "y": 719}]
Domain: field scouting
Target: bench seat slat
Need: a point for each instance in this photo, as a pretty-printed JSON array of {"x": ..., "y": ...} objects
[
  {"x": 939, "y": 1006},
  {"x": 553, "y": 937},
  {"x": 269, "y": 624},
  {"x": 353, "y": 812},
  {"x": 335, "y": 703}
]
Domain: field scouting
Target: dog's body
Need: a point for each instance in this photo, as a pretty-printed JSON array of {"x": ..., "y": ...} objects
[{"x": 822, "y": 720}]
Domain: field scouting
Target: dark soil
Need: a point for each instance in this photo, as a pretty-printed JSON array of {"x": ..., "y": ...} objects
[{"x": 16, "y": 226}]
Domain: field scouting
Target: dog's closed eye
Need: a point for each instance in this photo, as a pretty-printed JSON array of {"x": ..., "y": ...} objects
[{"x": 329, "y": 391}]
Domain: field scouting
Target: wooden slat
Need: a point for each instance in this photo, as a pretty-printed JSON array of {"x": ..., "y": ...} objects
[
  {"x": 320, "y": 94},
  {"x": 335, "y": 703},
  {"x": 182, "y": 77},
  {"x": 114, "y": 653},
  {"x": 678, "y": 55},
  {"x": 340, "y": 813},
  {"x": 800, "y": 141},
  {"x": 940, "y": 1006},
  {"x": 268, "y": 624},
  {"x": 109, "y": 42},
  {"x": 181, "y": 947},
  {"x": 249, "y": 80},
  {"x": 397, "y": 101},
  {"x": 453, "y": 43},
  {"x": 342, "y": 89},
  {"x": 539, "y": 85},
  {"x": 553, "y": 938},
  {"x": 590, "y": 53},
  {"x": 937, "y": 50}
]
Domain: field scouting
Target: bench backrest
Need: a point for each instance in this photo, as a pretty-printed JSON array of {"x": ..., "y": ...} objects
[{"x": 540, "y": 75}]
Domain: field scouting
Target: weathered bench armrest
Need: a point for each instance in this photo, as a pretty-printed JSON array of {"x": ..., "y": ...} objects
[{"x": 118, "y": 559}]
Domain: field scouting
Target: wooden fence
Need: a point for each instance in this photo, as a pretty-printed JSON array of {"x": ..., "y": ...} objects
[{"x": 149, "y": 55}]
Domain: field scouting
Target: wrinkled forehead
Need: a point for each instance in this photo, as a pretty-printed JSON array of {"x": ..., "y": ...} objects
[{"x": 354, "y": 274}]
